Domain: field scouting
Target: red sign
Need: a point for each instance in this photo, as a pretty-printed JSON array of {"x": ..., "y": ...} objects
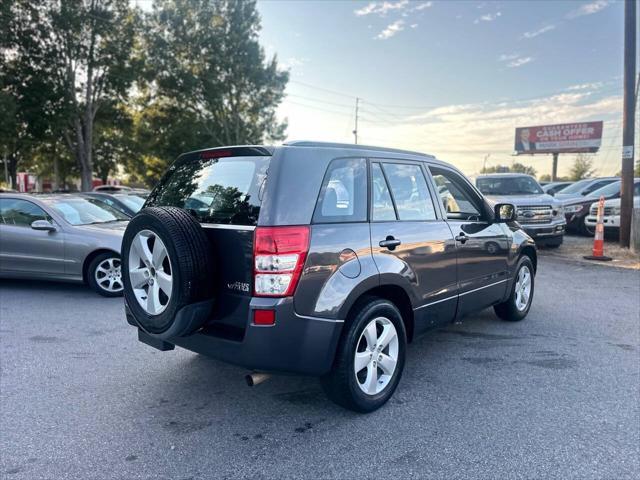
[{"x": 561, "y": 138}]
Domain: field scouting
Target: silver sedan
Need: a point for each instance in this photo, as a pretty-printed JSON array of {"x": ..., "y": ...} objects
[{"x": 62, "y": 237}]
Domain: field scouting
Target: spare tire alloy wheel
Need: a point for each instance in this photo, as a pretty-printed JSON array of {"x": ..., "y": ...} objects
[
  {"x": 168, "y": 272},
  {"x": 150, "y": 272},
  {"x": 376, "y": 356}
]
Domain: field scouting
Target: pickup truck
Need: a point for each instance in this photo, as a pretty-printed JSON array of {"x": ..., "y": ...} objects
[{"x": 539, "y": 214}]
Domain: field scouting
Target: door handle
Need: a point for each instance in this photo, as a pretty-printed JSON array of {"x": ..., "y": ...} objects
[
  {"x": 390, "y": 243},
  {"x": 462, "y": 238}
]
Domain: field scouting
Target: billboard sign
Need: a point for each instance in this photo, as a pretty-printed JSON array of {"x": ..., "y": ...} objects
[{"x": 561, "y": 138}]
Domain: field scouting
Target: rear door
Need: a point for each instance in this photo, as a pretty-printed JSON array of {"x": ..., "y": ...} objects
[
  {"x": 482, "y": 247},
  {"x": 223, "y": 189},
  {"x": 23, "y": 249},
  {"x": 412, "y": 244}
]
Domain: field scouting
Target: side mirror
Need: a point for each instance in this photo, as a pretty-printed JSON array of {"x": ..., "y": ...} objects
[
  {"x": 44, "y": 225},
  {"x": 504, "y": 212}
]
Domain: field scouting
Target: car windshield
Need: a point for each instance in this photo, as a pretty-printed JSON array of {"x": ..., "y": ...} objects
[
  {"x": 577, "y": 187},
  {"x": 134, "y": 202},
  {"x": 508, "y": 186},
  {"x": 85, "y": 211},
  {"x": 607, "y": 190}
]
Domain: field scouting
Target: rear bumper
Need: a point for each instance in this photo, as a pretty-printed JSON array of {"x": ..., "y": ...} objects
[{"x": 295, "y": 344}]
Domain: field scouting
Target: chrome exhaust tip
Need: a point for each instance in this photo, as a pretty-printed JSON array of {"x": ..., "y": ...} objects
[{"x": 256, "y": 378}]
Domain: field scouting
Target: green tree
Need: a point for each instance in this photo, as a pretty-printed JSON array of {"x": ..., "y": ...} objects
[
  {"x": 208, "y": 81},
  {"x": 582, "y": 167},
  {"x": 81, "y": 51},
  {"x": 521, "y": 168},
  {"x": 515, "y": 168},
  {"x": 113, "y": 145}
]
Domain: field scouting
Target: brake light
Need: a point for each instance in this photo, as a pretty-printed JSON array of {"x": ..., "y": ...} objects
[{"x": 278, "y": 257}]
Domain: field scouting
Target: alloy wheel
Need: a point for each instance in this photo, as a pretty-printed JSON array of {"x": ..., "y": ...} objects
[
  {"x": 376, "y": 355},
  {"x": 523, "y": 288},
  {"x": 108, "y": 275},
  {"x": 150, "y": 272}
]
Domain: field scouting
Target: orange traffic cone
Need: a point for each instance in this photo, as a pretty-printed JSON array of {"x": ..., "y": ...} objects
[{"x": 598, "y": 239}]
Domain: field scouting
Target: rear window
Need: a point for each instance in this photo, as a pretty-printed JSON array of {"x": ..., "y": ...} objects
[{"x": 215, "y": 190}]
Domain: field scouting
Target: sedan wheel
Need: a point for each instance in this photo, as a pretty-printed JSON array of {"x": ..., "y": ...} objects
[{"x": 104, "y": 275}]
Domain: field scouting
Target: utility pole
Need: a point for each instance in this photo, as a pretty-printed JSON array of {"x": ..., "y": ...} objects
[
  {"x": 628, "y": 122},
  {"x": 484, "y": 163},
  {"x": 355, "y": 130},
  {"x": 554, "y": 167}
]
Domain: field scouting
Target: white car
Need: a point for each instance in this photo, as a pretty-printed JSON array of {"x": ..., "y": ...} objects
[{"x": 611, "y": 218}]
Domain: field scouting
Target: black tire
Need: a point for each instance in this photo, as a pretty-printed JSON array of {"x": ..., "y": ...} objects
[
  {"x": 508, "y": 310},
  {"x": 554, "y": 242},
  {"x": 99, "y": 280},
  {"x": 191, "y": 267},
  {"x": 341, "y": 385},
  {"x": 587, "y": 230}
]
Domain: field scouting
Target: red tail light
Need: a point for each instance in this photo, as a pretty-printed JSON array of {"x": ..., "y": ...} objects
[{"x": 278, "y": 257}]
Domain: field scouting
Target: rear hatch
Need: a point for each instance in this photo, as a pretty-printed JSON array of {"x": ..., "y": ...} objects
[{"x": 222, "y": 189}]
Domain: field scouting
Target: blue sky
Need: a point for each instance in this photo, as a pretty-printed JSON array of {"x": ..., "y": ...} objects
[{"x": 452, "y": 78}]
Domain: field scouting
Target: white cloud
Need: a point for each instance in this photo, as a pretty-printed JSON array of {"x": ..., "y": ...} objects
[
  {"x": 518, "y": 62},
  {"x": 422, "y": 6},
  {"x": 508, "y": 56},
  {"x": 391, "y": 30},
  {"x": 586, "y": 86},
  {"x": 293, "y": 63},
  {"x": 489, "y": 17},
  {"x": 414, "y": 25},
  {"x": 381, "y": 8},
  {"x": 514, "y": 59},
  {"x": 540, "y": 31},
  {"x": 589, "y": 8}
]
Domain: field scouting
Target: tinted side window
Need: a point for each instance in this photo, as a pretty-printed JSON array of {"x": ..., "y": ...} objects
[
  {"x": 343, "y": 197},
  {"x": 410, "y": 192},
  {"x": 20, "y": 213},
  {"x": 457, "y": 197},
  {"x": 382, "y": 205}
]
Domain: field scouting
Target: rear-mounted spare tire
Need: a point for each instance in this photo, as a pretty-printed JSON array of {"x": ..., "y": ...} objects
[{"x": 167, "y": 268}]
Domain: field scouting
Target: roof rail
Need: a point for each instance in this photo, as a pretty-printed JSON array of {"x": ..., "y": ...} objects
[{"x": 352, "y": 146}]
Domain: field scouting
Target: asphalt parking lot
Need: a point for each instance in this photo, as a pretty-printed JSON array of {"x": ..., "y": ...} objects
[{"x": 553, "y": 396}]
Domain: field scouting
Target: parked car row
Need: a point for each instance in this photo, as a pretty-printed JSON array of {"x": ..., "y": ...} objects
[
  {"x": 578, "y": 208},
  {"x": 69, "y": 237},
  {"x": 611, "y": 218},
  {"x": 545, "y": 212}
]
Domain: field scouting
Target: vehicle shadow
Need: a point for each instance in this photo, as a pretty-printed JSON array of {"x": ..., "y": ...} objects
[
  {"x": 202, "y": 392},
  {"x": 45, "y": 286}
]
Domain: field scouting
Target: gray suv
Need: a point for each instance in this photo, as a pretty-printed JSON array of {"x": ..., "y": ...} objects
[{"x": 319, "y": 259}]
